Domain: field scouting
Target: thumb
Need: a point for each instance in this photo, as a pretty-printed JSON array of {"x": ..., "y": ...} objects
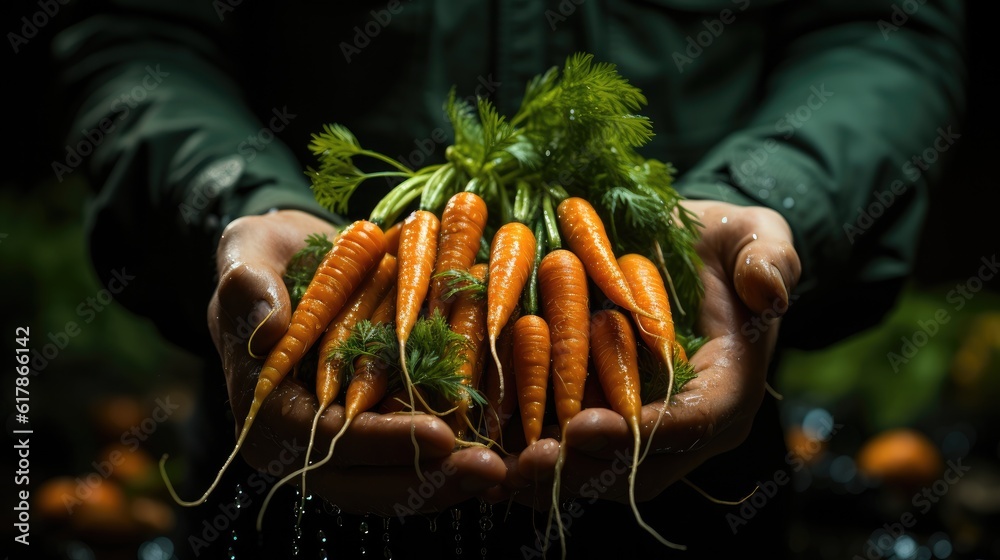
[
  {"x": 251, "y": 258},
  {"x": 765, "y": 265}
]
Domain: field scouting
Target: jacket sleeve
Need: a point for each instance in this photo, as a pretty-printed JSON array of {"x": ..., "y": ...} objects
[
  {"x": 158, "y": 127},
  {"x": 854, "y": 125}
]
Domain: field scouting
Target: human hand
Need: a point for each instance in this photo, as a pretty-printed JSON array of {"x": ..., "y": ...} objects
[
  {"x": 750, "y": 269},
  {"x": 373, "y": 468}
]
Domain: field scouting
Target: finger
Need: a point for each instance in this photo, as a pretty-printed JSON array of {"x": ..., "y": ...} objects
[
  {"x": 251, "y": 259},
  {"x": 765, "y": 266},
  {"x": 462, "y": 475},
  {"x": 372, "y": 439}
]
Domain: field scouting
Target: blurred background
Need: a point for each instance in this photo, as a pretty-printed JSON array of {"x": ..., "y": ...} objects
[{"x": 894, "y": 434}]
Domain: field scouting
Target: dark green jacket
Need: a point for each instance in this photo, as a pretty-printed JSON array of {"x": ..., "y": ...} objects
[{"x": 838, "y": 114}]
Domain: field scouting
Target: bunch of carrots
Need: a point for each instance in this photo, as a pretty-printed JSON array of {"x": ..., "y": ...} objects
[{"x": 534, "y": 257}]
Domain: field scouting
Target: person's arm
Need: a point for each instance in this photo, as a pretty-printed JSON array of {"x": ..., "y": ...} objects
[
  {"x": 778, "y": 199},
  {"x": 854, "y": 125},
  {"x": 158, "y": 127}
]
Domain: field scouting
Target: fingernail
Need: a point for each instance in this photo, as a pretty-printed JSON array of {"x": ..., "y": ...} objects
[
  {"x": 781, "y": 282},
  {"x": 259, "y": 311}
]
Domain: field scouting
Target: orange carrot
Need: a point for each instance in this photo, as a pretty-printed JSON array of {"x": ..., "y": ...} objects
[
  {"x": 329, "y": 373},
  {"x": 512, "y": 255},
  {"x": 613, "y": 349},
  {"x": 417, "y": 251},
  {"x": 467, "y": 317},
  {"x": 584, "y": 233},
  {"x": 354, "y": 253},
  {"x": 564, "y": 294},
  {"x": 532, "y": 353},
  {"x": 651, "y": 294},
  {"x": 462, "y": 223}
]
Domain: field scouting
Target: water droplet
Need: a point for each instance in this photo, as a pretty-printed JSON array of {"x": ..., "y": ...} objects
[
  {"x": 458, "y": 551},
  {"x": 755, "y": 237},
  {"x": 458, "y": 537},
  {"x": 321, "y": 536},
  {"x": 387, "y": 553},
  {"x": 364, "y": 527},
  {"x": 433, "y": 525},
  {"x": 788, "y": 202},
  {"x": 323, "y": 555},
  {"x": 725, "y": 219},
  {"x": 548, "y": 153},
  {"x": 385, "y": 537},
  {"x": 486, "y": 524},
  {"x": 340, "y": 521},
  {"x": 363, "y": 551},
  {"x": 763, "y": 193},
  {"x": 232, "y": 553}
]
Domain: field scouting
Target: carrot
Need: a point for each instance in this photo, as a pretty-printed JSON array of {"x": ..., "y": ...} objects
[
  {"x": 354, "y": 253},
  {"x": 367, "y": 387},
  {"x": 564, "y": 294},
  {"x": 651, "y": 294},
  {"x": 392, "y": 238},
  {"x": 584, "y": 233},
  {"x": 417, "y": 252},
  {"x": 512, "y": 255},
  {"x": 467, "y": 317},
  {"x": 614, "y": 352},
  {"x": 532, "y": 353},
  {"x": 462, "y": 223},
  {"x": 329, "y": 374}
]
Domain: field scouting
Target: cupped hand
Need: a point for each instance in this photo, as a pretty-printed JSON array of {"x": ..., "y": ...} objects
[
  {"x": 372, "y": 469},
  {"x": 750, "y": 268}
]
